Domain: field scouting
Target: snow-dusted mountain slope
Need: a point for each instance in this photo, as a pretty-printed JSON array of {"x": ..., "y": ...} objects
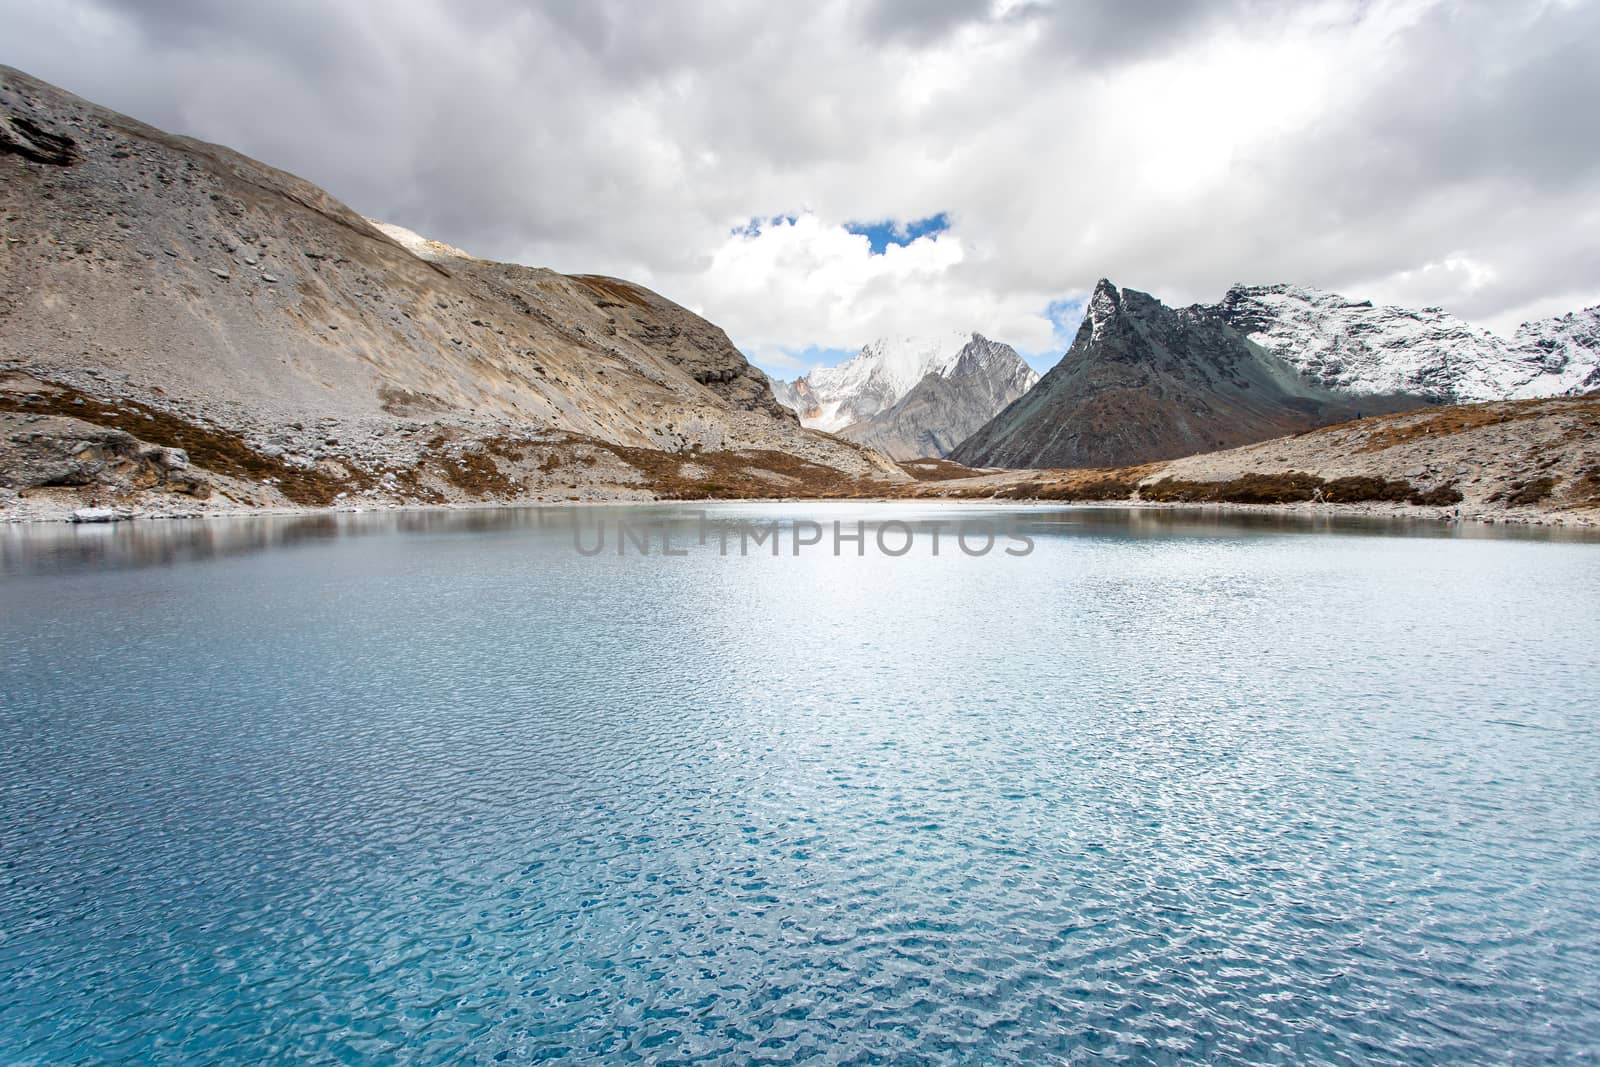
[
  {"x": 946, "y": 406},
  {"x": 1360, "y": 349},
  {"x": 1568, "y": 350},
  {"x": 831, "y": 398}
]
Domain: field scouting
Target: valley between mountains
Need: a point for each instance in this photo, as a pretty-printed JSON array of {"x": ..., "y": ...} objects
[{"x": 185, "y": 330}]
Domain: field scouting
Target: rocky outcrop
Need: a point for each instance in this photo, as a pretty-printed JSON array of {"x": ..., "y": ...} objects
[
  {"x": 210, "y": 288},
  {"x": 799, "y": 397},
  {"x": 1143, "y": 382},
  {"x": 40, "y": 451},
  {"x": 26, "y": 138},
  {"x": 1566, "y": 349},
  {"x": 945, "y": 408}
]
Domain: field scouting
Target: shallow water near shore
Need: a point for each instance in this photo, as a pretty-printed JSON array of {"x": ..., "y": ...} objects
[{"x": 437, "y": 787}]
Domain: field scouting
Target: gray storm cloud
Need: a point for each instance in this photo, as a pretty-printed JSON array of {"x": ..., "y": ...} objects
[{"x": 1424, "y": 152}]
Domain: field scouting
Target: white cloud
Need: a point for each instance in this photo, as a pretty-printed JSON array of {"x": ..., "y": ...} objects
[{"x": 794, "y": 283}]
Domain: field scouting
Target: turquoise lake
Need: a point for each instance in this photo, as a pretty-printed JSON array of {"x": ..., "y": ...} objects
[{"x": 433, "y": 788}]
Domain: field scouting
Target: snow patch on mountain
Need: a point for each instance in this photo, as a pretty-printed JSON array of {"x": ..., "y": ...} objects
[
  {"x": 418, "y": 245},
  {"x": 1567, "y": 348},
  {"x": 1361, "y": 349}
]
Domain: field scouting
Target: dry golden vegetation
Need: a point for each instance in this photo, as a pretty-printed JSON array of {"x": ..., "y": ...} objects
[
  {"x": 1539, "y": 454},
  {"x": 450, "y": 465},
  {"x": 936, "y": 470},
  {"x": 612, "y": 291},
  {"x": 1294, "y": 487},
  {"x": 1392, "y": 430},
  {"x": 496, "y": 468},
  {"x": 741, "y": 474}
]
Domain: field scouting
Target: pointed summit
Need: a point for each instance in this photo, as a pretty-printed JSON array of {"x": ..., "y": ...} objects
[
  {"x": 1104, "y": 303},
  {"x": 1143, "y": 382},
  {"x": 948, "y": 404}
]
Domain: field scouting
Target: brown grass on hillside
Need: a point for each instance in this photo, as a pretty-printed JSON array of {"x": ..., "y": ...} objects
[
  {"x": 927, "y": 469},
  {"x": 474, "y": 471},
  {"x": 741, "y": 474},
  {"x": 477, "y": 469},
  {"x": 1108, "y": 487},
  {"x": 1585, "y": 491},
  {"x": 1286, "y": 488},
  {"x": 1295, "y": 487},
  {"x": 1406, "y": 427},
  {"x": 1358, "y": 489},
  {"x": 1071, "y": 486},
  {"x": 1525, "y": 494}
]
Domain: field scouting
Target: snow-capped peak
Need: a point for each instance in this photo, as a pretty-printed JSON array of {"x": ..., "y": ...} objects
[
  {"x": 880, "y": 374},
  {"x": 898, "y": 362}
]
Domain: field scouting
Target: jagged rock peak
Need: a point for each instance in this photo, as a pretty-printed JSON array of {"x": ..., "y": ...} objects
[
  {"x": 884, "y": 371},
  {"x": 1104, "y": 303},
  {"x": 948, "y": 403}
]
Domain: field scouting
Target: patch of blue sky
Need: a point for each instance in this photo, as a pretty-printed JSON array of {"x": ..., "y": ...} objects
[
  {"x": 1065, "y": 317},
  {"x": 756, "y": 224},
  {"x": 880, "y": 235}
]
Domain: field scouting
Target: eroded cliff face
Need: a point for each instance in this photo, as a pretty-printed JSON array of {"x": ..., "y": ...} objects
[{"x": 219, "y": 291}]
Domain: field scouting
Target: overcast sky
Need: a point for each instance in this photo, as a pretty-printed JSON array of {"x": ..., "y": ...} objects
[{"x": 763, "y": 163}]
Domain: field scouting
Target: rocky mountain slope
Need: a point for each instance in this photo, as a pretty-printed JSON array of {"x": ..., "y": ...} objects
[
  {"x": 1519, "y": 460},
  {"x": 945, "y": 408},
  {"x": 1356, "y": 348},
  {"x": 911, "y": 396},
  {"x": 1143, "y": 382},
  {"x": 831, "y": 398},
  {"x": 149, "y": 282}
]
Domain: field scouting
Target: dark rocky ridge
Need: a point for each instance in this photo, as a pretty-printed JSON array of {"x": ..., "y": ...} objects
[{"x": 1143, "y": 382}]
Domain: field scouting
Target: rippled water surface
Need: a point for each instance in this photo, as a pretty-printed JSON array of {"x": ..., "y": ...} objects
[{"x": 439, "y": 789}]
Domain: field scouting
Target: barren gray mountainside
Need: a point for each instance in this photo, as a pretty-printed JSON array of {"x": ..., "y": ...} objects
[
  {"x": 150, "y": 282},
  {"x": 947, "y": 405},
  {"x": 1143, "y": 382}
]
